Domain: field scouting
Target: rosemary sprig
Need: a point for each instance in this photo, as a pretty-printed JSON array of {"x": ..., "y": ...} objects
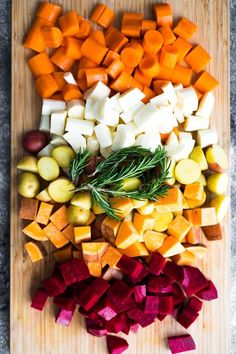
[{"x": 78, "y": 164}]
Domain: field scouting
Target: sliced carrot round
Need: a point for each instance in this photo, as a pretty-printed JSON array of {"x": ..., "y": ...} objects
[
  {"x": 169, "y": 56},
  {"x": 149, "y": 66},
  {"x": 152, "y": 42},
  {"x": 132, "y": 54}
]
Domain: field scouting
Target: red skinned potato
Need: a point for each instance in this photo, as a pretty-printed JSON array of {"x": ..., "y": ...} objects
[{"x": 34, "y": 141}]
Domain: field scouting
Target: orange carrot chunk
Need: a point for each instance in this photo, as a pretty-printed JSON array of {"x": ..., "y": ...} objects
[
  {"x": 122, "y": 82},
  {"x": 59, "y": 77},
  {"x": 168, "y": 35},
  {"x": 52, "y": 37},
  {"x": 165, "y": 73},
  {"x": 205, "y": 83},
  {"x": 149, "y": 66},
  {"x": 197, "y": 59},
  {"x": 115, "y": 68},
  {"x": 57, "y": 96},
  {"x": 107, "y": 17},
  {"x": 132, "y": 54},
  {"x": 97, "y": 12},
  {"x": 99, "y": 37},
  {"x": 34, "y": 41},
  {"x": 71, "y": 92},
  {"x": 115, "y": 40},
  {"x": 163, "y": 15},
  {"x": 183, "y": 48},
  {"x": 94, "y": 75},
  {"x": 94, "y": 51},
  {"x": 182, "y": 75},
  {"x": 41, "y": 64},
  {"x": 73, "y": 48},
  {"x": 148, "y": 94},
  {"x": 82, "y": 84},
  {"x": 199, "y": 94},
  {"x": 39, "y": 23},
  {"x": 185, "y": 29},
  {"x": 152, "y": 42},
  {"x": 49, "y": 12},
  {"x": 69, "y": 24},
  {"x": 33, "y": 251},
  {"x": 169, "y": 56},
  {"x": 136, "y": 84},
  {"x": 84, "y": 28},
  {"x": 148, "y": 25},
  {"x": 131, "y": 24},
  {"x": 157, "y": 86},
  {"x": 141, "y": 78},
  {"x": 60, "y": 59},
  {"x": 46, "y": 85},
  {"x": 110, "y": 57}
]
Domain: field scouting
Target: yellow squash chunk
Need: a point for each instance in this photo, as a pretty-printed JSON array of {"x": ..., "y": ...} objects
[
  {"x": 217, "y": 183},
  {"x": 137, "y": 249},
  {"x": 198, "y": 156},
  {"x": 153, "y": 240},
  {"x": 178, "y": 212},
  {"x": 194, "y": 235},
  {"x": 110, "y": 228},
  {"x": 187, "y": 171},
  {"x": 44, "y": 213},
  {"x": 172, "y": 201},
  {"x": 202, "y": 180},
  {"x": 171, "y": 247},
  {"x": 63, "y": 255},
  {"x": 127, "y": 234},
  {"x": 33, "y": 230},
  {"x": 221, "y": 205},
  {"x": 162, "y": 220},
  {"x": 68, "y": 232},
  {"x": 201, "y": 216},
  {"x": 184, "y": 203},
  {"x": 95, "y": 269},
  {"x": 59, "y": 218},
  {"x": 44, "y": 196},
  {"x": 143, "y": 223},
  {"x": 55, "y": 235},
  {"x": 91, "y": 219},
  {"x": 82, "y": 233},
  {"x": 199, "y": 250},
  {"x": 139, "y": 203},
  {"x": 185, "y": 258},
  {"x": 94, "y": 251},
  {"x": 179, "y": 227},
  {"x": 111, "y": 256},
  {"x": 33, "y": 251},
  {"x": 146, "y": 209},
  {"x": 193, "y": 191},
  {"x": 123, "y": 205}
]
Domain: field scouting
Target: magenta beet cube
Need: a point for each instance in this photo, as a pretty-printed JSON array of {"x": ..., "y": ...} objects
[
  {"x": 117, "y": 324},
  {"x": 116, "y": 345},
  {"x": 64, "y": 317},
  {"x": 133, "y": 268},
  {"x": 166, "y": 306},
  {"x": 208, "y": 293},
  {"x": 194, "y": 304},
  {"x": 159, "y": 284},
  {"x": 122, "y": 306},
  {"x": 107, "y": 310},
  {"x": 78, "y": 290},
  {"x": 95, "y": 327},
  {"x": 186, "y": 317},
  {"x": 65, "y": 302},
  {"x": 90, "y": 297},
  {"x": 161, "y": 317},
  {"x": 193, "y": 281},
  {"x": 157, "y": 263},
  {"x": 181, "y": 344},
  {"x": 134, "y": 327},
  {"x": 178, "y": 295},
  {"x": 151, "y": 305},
  {"x": 39, "y": 300},
  {"x": 54, "y": 285},
  {"x": 173, "y": 271},
  {"x": 74, "y": 271},
  {"x": 144, "y": 319},
  {"x": 140, "y": 293},
  {"x": 120, "y": 291}
]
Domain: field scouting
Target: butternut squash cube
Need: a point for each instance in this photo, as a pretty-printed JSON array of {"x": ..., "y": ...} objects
[
  {"x": 59, "y": 218},
  {"x": 95, "y": 269},
  {"x": 201, "y": 216},
  {"x": 33, "y": 230},
  {"x": 143, "y": 223},
  {"x": 33, "y": 251},
  {"x": 94, "y": 251},
  {"x": 127, "y": 234},
  {"x": 123, "y": 205},
  {"x": 55, "y": 235},
  {"x": 137, "y": 249},
  {"x": 68, "y": 232},
  {"x": 185, "y": 258},
  {"x": 111, "y": 257},
  {"x": 91, "y": 219},
  {"x": 193, "y": 191},
  {"x": 110, "y": 228},
  {"x": 153, "y": 240},
  {"x": 199, "y": 250},
  {"x": 171, "y": 247},
  {"x": 45, "y": 210},
  {"x": 179, "y": 227},
  {"x": 194, "y": 235},
  {"x": 172, "y": 201},
  {"x": 82, "y": 233},
  {"x": 196, "y": 203}
]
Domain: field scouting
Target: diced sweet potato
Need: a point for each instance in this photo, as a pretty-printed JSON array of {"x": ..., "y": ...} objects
[
  {"x": 127, "y": 234},
  {"x": 77, "y": 255},
  {"x": 194, "y": 235},
  {"x": 110, "y": 228},
  {"x": 63, "y": 255},
  {"x": 94, "y": 251},
  {"x": 91, "y": 218},
  {"x": 44, "y": 213},
  {"x": 153, "y": 240},
  {"x": 170, "y": 247},
  {"x": 172, "y": 201},
  {"x": 111, "y": 256},
  {"x": 123, "y": 205},
  {"x": 179, "y": 227},
  {"x": 201, "y": 216},
  {"x": 196, "y": 203},
  {"x": 95, "y": 269},
  {"x": 33, "y": 251},
  {"x": 34, "y": 231},
  {"x": 193, "y": 191},
  {"x": 213, "y": 232},
  {"x": 198, "y": 249},
  {"x": 143, "y": 223},
  {"x": 162, "y": 220},
  {"x": 137, "y": 249},
  {"x": 55, "y": 235},
  {"x": 185, "y": 258},
  {"x": 59, "y": 218},
  {"x": 68, "y": 232},
  {"x": 28, "y": 208},
  {"x": 82, "y": 233}
]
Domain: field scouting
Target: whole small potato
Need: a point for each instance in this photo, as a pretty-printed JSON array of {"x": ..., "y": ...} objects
[
  {"x": 29, "y": 185},
  {"x": 63, "y": 155},
  {"x": 48, "y": 168},
  {"x": 34, "y": 141},
  {"x": 77, "y": 216}
]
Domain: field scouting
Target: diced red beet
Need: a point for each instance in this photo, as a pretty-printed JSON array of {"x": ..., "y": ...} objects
[
  {"x": 92, "y": 314},
  {"x": 193, "y": 281},
  {"x": 180, "y": 344},
  {"x": 159, "y": 284},
  {"x": 92, "y": 294},
  {"x": 78, "y": 290},
  {"x": 186, "y": 317},
  {"x": 107, "y": 311},
  {"x": 74, "y": 271},
  {"x": 39, "y": 299},
  {"x": 116, "y": 345},
  {"x": 161, "y": 317},
  {"x": 117, "y": 324},
  {"x": 208, "y": 293},
  {"x": 66, "y": 303},
  {"x": 173, "y": 271},
  {"x": 140, "y": 293},
  {"x": 134, "y": 327},
  {"x": 151, "y": 305},
  {"x": 144, "y": 319},
  {"x": 120, "y": 291},
  {"x": 147, "y": 320},
  {"x": 166, "y": 306},
  {"x": 54, "y": 285},
  {"x": 64, "y": 317},
  {"x": 122, "y": 307},
  {"x": 157, "y": 263},
  {"x": 133, "y": 268},
  {"x": 178, "y": 295},
  {"x": 194, "y": 304},
  {"x": 95, "y": 327}
]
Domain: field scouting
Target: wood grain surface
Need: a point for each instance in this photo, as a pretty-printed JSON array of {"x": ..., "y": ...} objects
[{"x": 33, "y": 332}]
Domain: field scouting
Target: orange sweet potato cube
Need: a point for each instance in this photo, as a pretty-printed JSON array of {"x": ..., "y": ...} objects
[
  {"x": 127, "y": 234},
  {"x": 68, "y": 232},
  {"x": 137, "y": 249},
  {"x": 172, "y": 201},
  {"x": 110, "y": 228},
  {"x": 123, "y": 205},
  {"x": 194, "y": 235},
  {"x": 33, "y": 251},
  {"x": 143, "y": 223},
  {"x": 59, "y": 218},
  {"x": 63, "y": 255},
  {"x": 28, "y": 208},
  {"x": 153, "y": 240},
  {"x": 94, "y": 251},
  {"x": 55, "y": 235},
  {"x": 193, "y": 191},
  {"x": 44, "y": 213},
  {"x": 111, "y": 256},
  {"x": 82, "y": 233},
  {"x": 95, "y": 269},
  {"x": 33, "y": 230},
  {"x": 170, "y": 247},
  {"x": 213, "y": 232},
  {"x": 185, "y": 258},
  {"x": 201, "y": 216},
  {"x": 179, "y": 227}
]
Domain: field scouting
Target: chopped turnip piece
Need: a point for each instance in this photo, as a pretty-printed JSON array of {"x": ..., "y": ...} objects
[
  {"x": 58, "y": 121},
  {"x": 194, "y": 304},
  {"x": 140, "y": 293},
  {"x": 79, "y": 125},
  {"x": 76, "y": 141},
  {"x": 130, "y": 98},
  {"x": 69, "y": 78},
  {"x": 54, "y": 285},
  {"x": 151, "y": 305},
  {"x": 180, "y": 344},
  {"x": 75, "y": 108},
  {"x": 103, "y": 135},
  {"x": 50, "y": 106},
  {"x": 95, "y": 327},
  {"x": 193, "y": 281},
  {"x": 173, "y": 271},
  {"x": 166, "y": 305},
  {"x": 159, "y": 285},
  {"x": 207, "y": 137},
  {"x": 39, "y": 300},
  {"x": 116, "y": 345},
  {"x": 97, "y": 92},
  {"x": 120, "y": 291},
  {"x": 186, "y": 317},
  {"x": 74, "y": 271},
  {"x": 208, "y": 293},
  {"x": 149, "y": 140},
  {"x": 157, "y": 263},
  {"x": 64, "y": 317},
  {"x": 65, "y": 302}
]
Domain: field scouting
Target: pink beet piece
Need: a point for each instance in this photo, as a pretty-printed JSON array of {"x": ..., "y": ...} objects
[
  {"x": 74, "y": 271},
  {"x": 120, "y": 291},
  {"x": 208, "y": 293},
  {"x": 186, "y": 317},
  {"x": 166, "y": 306},
  {"x": 134, "y": 327},
  {"x": 157, "y": 263},
  {"x": 95, "y": 327},
  {"x": 194, "y": 304},
  {"x": 120, "y": 323},
  {"x": 161, "y": 317},
  {"x": 180, "y": 344},
  {"x": 39, "y": 300},
  {"x": 178, "y": 295},
  {"x": 64, "y": 317},
  {"x": 54, "y": 285},
  {"x": 122, "y": 307},
  {"x": 151, "y": 305},
  {"x": 173, "y": 271},
  {"x": 138, "y": 315},
  {"x": 65, "y": 302},
  {"x": 140, "y": 293},
  {"x": 107, "y": 311},
  {"x": 159, "y": 284},
  {"x": 116, "y": 345},
  {"x": 133, "y": 268},
  {"x": 91, "y": 296},
  {"x": 193, "y": 281}
]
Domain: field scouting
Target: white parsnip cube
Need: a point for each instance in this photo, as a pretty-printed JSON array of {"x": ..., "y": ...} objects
[
  {"x": 50, "y": 106},
  {"x": 194, "y": 123},
  {"x": 178, "y": 87},
  {"x": 76, "y": 141},
  {"x": 181, "y": 151},
  {"x": 104, "y": 112},
  {"x": 207, "y": 137},
  {"x": 93, "y": 145},
  {"x": 178, "y": 113},
  {"x": 206, "y": 105},
  {"x": 79, "y": 126},
  {"x": 103, "y": 135},
  {"x": 89, "y": 112},
  {"x": 69, "y": 78},
  {"x": 149, "y": 141},
  {"x": 172, "y": 139},
  {"x": 183, "y": 136},
  {"x": 167, "y": 119},
  {"x": 128, "y": 116},
  {"x": 130, "y": 98},
  {"x": 76, "y": 108},
  {"x": 124, "y": 137},
  {"x": 187, "y": 100},
  {"x": 115, "y": 102},
  {"x": 46, "y": 151},
  {"x": 160, "y": 100},
  {"x": 97, "y": 92},
  {"x": 44, "y": 124},
  {"x": 58, "y": 140},
  {"x": 58, "y": 121},
  {"x": 147, "y": 118},
  {"x": 170, "y": 92}
]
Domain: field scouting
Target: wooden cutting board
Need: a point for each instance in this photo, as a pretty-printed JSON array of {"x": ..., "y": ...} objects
[{"x": 33, "y": 332}]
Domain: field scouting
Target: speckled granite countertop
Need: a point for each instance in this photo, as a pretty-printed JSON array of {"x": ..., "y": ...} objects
[{"x": 5, "y": 57}]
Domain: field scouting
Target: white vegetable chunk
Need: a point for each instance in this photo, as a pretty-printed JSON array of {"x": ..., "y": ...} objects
[
  {"x": 115, "y": 102},
  {"x": 79, "y": 126},
  {"x": 170, "y": 92},
  {"x": 134, "y": 128},
  {"x": 89, "y": 112},
  {"x": 93, "y": 145},
  {"x": 178, "y": 87},
  {"x": 147, "y": 118},
  {"x": 76, "y": 141},
  {"x": 167, "y": 120},
  {"x": 178, "y": 113},
  {"x": 183, "y": 136},
  {"x": 207, "y": 137},
  {"x": 58, "y": 121},
  {"x": 128, "y": 116},
  {"x": 194, "y": 123},
  {"x": 104, "y": 112},
  {"x": 103, "y": 135},
  {"x": 46, "y": 151},
  {"x": 160, "y": 100},
  {"x": 97, "y": 92},
  {"x": 76, "y": 108},
  {"x": 172, "y": 139},
  {"x": 187, "y": 100},
  {"x": 206, "y": 105},
  {"x": 181, "y": 151},
  {"x": 69, "y": 78},
  {"x": 124, "y": 137},
  {"x": 130, "y": 98},
  {"x": 58, "y": 140},
  {"x": 44, "y": 124},
  {"x": 149, "y": 141},
  {"x": 50, "y": 106}
]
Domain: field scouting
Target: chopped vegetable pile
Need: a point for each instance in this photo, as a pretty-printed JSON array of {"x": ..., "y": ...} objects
[{"x": 124, "y": 177}]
